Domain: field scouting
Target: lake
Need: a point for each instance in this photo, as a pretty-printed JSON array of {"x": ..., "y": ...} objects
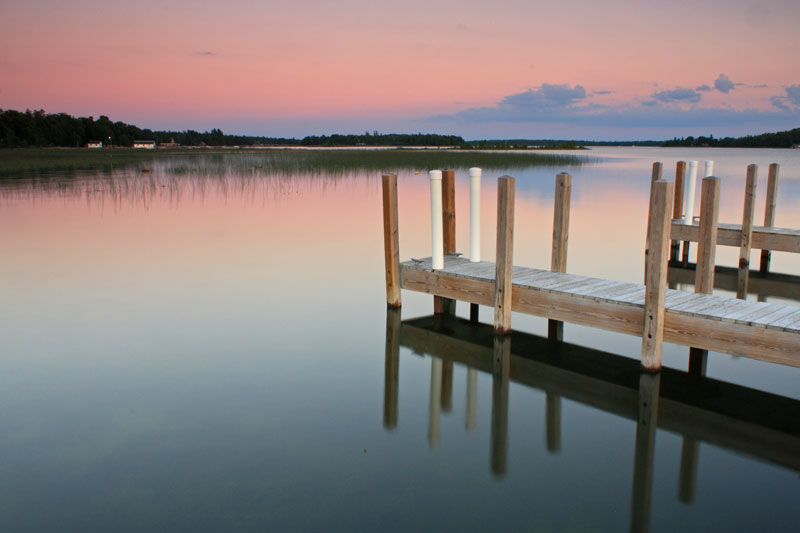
[{"x": 201, "y": 342}]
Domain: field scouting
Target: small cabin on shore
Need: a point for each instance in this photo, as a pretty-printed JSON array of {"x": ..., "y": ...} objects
[
  {"x": 145, "y": 145},
  {"x": 94, "y": 144}
]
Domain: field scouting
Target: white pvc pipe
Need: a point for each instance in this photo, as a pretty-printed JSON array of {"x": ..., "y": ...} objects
[
  {"x": 437, "y": 229},
  {"x": 709, "y": 168},
  {"x": 690, "y": 192},
  {"x": 475, "y": 214}
]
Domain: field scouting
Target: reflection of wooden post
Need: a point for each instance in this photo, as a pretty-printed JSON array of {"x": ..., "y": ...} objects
[
  {"x": 657, "y": 250},
  {"x": 501, "y": 370},
  {"x": 687, "y": 479},
  {"x": 504, "y": 255},
  {"x": 677, "y": 206},
  {"x": 706, "y": 257},
  {"x": 472, "y": 399},
  {"x": 433, "y": 405},
  {"x": 442, "y": 305},
  {"x": 649, "y": 385},
  {"x": 553, "y": 418},
  {"x": 558, "y": 254},
  {"x": 391, "y": 368},
  {"x": 769, "y": 211},
  {"x": 447, "y": 386},
  {"x": 747, "y": 231},
  {"x": 391, "y": 245}
]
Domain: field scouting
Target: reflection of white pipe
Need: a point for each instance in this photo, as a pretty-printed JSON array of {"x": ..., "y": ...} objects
[
  {"x": 709, "y": 168},
  {"x": 433, "y": 408},
  {"x": 690, "y": 192},
  {"x": 437, "y": 228},
  {"x": 474, "y": 214},
  {"x": 472, "y": 399}
]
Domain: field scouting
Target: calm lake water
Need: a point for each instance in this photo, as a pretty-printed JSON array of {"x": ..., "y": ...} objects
[{"x": 206, "y": 346}]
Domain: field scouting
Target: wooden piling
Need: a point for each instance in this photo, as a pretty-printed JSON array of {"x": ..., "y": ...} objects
[
  {"x": 558, "y": 254},
  {"x": 504, "y": 255},
  {"x": 658, "y": 227},
  {"x": 677, "y": 205},
  {"x": 442, "y": 305},
  {"x": 707, "y": 246},
  {"x": 391, "y": 245},
  {"x": 706, "y": 257},
  {"x": 769, "y": 211},
  {"x": 747, "y": 231},
  {"x": 654, "y": 177}
]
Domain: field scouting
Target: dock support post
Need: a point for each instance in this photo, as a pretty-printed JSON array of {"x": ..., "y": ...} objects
[
  {"x": 391, "y": 245},
  {"x": 501, "y": 372},
  {"x": 706, "y": 258},
  {"x": 769, "y": 211},
  {"x": 747, "y": 232},
  {"x": 391, "y": 368},
  {"x": 677, "y": 206},
  {"x": 558, "y": 254},
  {"x": 657, "y": 250},
  {"x": 644, "y": 451},
  {"x": 505, "y": 255},
  {"x": 437, "y": 230},
  {"x": 655, "y": 176},
  {"x": 474, "y": 227},
  {"x": 687, "y": 217},
  {"x": 447, "y": 306}
]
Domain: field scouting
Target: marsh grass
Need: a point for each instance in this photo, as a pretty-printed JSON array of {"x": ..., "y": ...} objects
[{"x": 41, "y": 162}]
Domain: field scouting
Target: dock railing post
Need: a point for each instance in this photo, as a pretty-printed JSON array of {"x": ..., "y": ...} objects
[
  {"x": 655, "y": 176},
  {"x": 443, "y": 305},
  {"x": 691, "y": 189},
  {"x": 474, "y": 227},
  {"x": 677, "y": 206},
  {"x": 558, "y": 254},
  {"x": 437, "y": 231},
  {"x": 504, "y": 255},
  {"x": 706, "y": 258},
  {"x": 769, "y": 211},
  {"x": 658, "y": 227},
  {"x": 391, "y": 241},
  {"x": 747, "y": 231}
]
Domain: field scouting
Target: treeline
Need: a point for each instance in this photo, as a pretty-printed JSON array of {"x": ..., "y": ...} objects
[
  {"x": 39, "y": 129},
  {"x": 780, "y": 139},
  {"x": 389, "y": 139}
]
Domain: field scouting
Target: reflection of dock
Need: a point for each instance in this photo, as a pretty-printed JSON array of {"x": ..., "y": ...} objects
[{"x": 758, "y": 424}]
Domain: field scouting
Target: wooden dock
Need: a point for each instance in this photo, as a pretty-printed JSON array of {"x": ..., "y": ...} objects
[{"x": 700, "y": 320}]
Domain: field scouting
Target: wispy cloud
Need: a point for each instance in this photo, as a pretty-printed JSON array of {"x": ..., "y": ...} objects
[
  {"x": 205, "y": 53},
  {"x": 677, "y": 95},
  {"x": 724, "y": 84},
  {"x": 703, "y": 88},
  {"x": 789, "y": 100}
]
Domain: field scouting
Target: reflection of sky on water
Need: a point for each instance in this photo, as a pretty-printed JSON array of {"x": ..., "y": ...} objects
[{"x": 211, "y": 348}]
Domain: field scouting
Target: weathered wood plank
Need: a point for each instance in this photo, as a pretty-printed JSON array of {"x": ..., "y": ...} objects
[
  {"x": 707, "y": 247},
  {"x": 677, "y": 205}
]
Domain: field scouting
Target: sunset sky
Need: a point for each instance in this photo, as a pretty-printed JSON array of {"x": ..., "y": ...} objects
[{"x": 503, "y": 69}]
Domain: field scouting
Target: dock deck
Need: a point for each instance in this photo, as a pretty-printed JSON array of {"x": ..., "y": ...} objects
[{"x": 765, "y": 331}]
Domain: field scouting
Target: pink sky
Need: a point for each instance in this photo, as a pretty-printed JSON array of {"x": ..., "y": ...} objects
[{"x": 580, "y": 69}]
